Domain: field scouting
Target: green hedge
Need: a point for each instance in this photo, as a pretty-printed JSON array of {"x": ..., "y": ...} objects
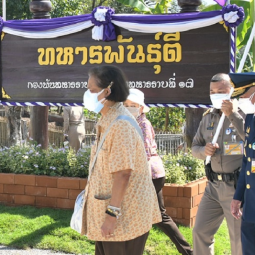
[
  {"x": 182, "y": 168},
  {"x": 31, "y": 159}
]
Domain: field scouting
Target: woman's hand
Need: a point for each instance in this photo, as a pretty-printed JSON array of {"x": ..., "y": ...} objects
[
  {"x": 120, "y": 183},
  {"x": 108, "y": 226}
]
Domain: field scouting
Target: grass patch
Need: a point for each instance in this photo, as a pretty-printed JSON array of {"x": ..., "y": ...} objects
[{"x": 45, "y": 228}]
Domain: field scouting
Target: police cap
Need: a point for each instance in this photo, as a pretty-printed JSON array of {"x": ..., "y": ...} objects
[{"x": 242, "y": 82}]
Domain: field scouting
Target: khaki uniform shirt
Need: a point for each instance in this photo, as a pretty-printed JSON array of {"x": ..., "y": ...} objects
[
  {"x": 232, "y": 130},
  {"x": 122, "y": 149}
]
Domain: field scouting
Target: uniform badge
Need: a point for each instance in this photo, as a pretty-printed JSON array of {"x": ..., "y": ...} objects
[
  {"x": 248, "y": 130},
  {"x": 233, "y": 148},
  {"x": 211, "y": 126},
  {"x": 233, "y": 138},
  {"x": 253, "y": 146},
  {"x": 253, "y": 166},
  {"x": 228, "y": 131}
]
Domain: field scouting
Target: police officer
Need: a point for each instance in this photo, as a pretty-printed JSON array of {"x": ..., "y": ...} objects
[
  {"x": 74, "y": 126},
  {"x": 226, "y": 157},
  {"x": 245, "y": 192}
]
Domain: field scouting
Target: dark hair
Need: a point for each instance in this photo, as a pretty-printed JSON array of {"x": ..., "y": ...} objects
[{"x": 105, "y": 75}]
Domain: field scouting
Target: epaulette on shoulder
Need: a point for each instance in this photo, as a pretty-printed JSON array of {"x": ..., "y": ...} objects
[{"x": 205, "y": 113}]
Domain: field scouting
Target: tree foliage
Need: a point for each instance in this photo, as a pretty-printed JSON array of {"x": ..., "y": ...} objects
[
  {"x": 149, "y": 6},
  {"x": 244, "y": 29},
  {"x": 167, "y": 119},
  {"x": 61, "y": 8},
  {"x": 19, "y": 9},
  {"x": 248, "y": 64}
]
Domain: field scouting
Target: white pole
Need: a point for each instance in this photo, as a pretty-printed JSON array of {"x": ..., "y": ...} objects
[
  {"x": 220, "y": 124},
  {"x": 247, "y": 48},
  {"x": 4, "y": 9},
  {"x": 215, "y": 138}
]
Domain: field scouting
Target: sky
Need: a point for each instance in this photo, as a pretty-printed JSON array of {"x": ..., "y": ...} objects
[{"x": 209, "y": 2}]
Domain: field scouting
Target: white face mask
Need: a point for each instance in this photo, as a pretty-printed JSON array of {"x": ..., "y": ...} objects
[
  {"x": 134, "y": 111},
  {"x": 217, "y": 99},
  {"x": 91, "y": 102},
  {"x": 246, "y": 105}
]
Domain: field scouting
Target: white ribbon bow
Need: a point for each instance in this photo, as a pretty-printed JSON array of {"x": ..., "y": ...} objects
[
  {"x": 100, "y": 14},
  {"x": 231, "y": 17},
  {"x": 98, "y": 31}
]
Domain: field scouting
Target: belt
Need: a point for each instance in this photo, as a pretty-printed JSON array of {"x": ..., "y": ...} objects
[{"x": 223, "y": 177}]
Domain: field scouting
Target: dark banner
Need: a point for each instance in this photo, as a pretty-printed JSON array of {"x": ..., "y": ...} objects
[{"x": 168, "y": 68}]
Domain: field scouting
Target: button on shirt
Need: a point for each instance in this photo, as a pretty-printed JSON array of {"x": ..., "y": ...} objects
[{"x": 245, "y": 190}]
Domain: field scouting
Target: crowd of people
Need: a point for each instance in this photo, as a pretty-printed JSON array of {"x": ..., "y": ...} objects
[{"x": 123, "y": 197}]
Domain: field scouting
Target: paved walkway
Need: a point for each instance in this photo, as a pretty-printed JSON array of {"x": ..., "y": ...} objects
[{"x": 13, "y": 251}]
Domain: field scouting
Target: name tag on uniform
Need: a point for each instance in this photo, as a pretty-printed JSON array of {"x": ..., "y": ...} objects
[
  {"x": 233, "y": 148},
  {"x": 211, "y": 126},
  {"x": 253, "y": 166}
]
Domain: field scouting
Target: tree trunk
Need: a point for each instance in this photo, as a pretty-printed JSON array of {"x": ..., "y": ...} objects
[
  {"x": 193, "y": 118},
  {"x": 39, "y": 125},
  {"x": 167, "y": 118},
  {"x": 39, "y": 114},
  {"x": 13, "y": 115}
]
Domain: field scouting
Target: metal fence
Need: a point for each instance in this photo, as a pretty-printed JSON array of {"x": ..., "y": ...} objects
[
  {"x": 3, "y": 132},
  {"x": 166, "y": 142},
  {"x": 56, "y": 138},
  {"x": 55, "y": 134}
]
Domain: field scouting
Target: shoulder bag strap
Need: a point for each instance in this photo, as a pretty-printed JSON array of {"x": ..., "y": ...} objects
[
  {"x": 132, "y": 122},
  {"x": 120, "y": 117}
]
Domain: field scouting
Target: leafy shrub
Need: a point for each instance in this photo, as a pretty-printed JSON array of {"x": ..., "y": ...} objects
[
  {"x": 31, "y": 159},
  {"x": 182, "y": 168}
]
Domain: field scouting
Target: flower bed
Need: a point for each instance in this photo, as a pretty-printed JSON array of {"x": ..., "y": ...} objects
[
  {"x": 31, "y": 159},
  {"x": 181, "y": 201}
]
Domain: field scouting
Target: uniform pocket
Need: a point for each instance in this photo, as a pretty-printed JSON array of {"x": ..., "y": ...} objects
[{"x": 100, "y": 205}]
